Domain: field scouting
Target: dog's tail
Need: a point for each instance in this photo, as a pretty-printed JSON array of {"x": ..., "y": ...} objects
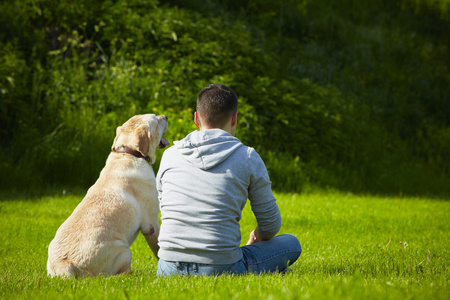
[{"x": 66, "y": 269}]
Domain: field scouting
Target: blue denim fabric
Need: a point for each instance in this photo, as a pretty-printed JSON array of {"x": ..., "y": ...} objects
[{"x": 274, "y": 255}]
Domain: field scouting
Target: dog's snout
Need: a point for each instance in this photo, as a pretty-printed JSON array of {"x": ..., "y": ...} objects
[{"x": 164, "y": 117}]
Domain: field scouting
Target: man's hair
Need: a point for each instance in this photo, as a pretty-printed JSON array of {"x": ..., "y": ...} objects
[{"x": 216, "y": 104}]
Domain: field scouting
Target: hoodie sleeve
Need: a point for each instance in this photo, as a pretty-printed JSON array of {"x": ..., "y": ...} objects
[
  {"x": 262, "y": 201},
  {"x": 159, "y": 175}
]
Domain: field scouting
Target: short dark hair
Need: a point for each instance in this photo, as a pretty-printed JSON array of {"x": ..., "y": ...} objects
[{"x": 216, "y": 104}]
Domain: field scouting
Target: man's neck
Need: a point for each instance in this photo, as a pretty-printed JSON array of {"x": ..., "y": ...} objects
[
  {"x": 229, "y": 127},
  {"x": 229, "y": 130}
]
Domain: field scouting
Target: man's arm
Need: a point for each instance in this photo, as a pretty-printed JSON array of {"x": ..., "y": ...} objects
[{"x": 262, "y": 201}]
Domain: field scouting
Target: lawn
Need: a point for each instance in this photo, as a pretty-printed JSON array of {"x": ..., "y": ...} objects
[{"x": 354, "y": 247}]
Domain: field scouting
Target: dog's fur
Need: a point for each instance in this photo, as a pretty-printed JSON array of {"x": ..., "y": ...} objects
[{"x": 96, "y": 238}]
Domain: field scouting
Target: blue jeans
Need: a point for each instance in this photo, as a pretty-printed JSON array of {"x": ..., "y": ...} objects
[{"x": 274, "y": 255}]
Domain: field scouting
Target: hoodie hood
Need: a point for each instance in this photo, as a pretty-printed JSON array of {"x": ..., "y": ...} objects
[{"x": 206, "y": 149}]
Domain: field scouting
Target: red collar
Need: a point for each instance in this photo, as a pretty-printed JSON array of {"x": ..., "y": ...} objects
[{"x": 135, "y": 153}]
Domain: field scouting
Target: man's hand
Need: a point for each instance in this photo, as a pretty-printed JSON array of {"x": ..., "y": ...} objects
[{"x": 255, "y": 236}]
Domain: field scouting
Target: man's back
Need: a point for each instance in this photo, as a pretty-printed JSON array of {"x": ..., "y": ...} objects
[{"x": 204, "y": 182}]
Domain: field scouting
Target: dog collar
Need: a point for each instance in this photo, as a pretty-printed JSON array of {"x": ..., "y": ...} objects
[{"x": 135, "y": 153}]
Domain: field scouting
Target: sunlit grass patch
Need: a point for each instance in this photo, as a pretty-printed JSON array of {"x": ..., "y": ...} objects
[{"x": 353, "y": 247}]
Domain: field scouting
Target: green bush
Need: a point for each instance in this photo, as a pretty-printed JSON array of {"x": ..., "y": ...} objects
[{"x": 347, "y": 94}]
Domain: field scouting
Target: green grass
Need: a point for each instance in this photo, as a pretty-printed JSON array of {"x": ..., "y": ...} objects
[{"x": 353, "y": 247}]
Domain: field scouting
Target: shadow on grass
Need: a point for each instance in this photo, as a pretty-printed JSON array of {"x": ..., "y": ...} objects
[{"x": 37, "y": 193}]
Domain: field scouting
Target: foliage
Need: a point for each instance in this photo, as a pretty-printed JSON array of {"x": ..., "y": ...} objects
[
  {"x": 441, "y": 7},
  {"x": 353, "y": 247},
  {"x": 351, "y": 94}
]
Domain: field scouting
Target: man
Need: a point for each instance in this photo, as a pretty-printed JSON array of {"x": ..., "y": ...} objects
[{"x": 203, "y": 183}]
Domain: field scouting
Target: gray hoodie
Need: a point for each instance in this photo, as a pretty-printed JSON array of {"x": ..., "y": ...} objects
[{"x": 203, "y": 184}]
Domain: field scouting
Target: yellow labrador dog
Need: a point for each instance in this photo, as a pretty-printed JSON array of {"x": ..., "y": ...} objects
[{"x": 96, "y": 238}]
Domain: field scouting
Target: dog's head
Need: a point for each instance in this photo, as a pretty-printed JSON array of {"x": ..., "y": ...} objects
[{"x": 142, "y": 133}]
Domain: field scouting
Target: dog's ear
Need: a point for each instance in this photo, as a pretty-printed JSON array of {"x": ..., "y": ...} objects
[
  {"x": 118, "y": 131},
  {"x": 143, "y": 139}
]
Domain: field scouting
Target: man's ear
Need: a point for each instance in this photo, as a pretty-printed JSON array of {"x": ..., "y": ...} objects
[
  {"x": 234, "y": 119},
  {"x": 196, "y": 119}
]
